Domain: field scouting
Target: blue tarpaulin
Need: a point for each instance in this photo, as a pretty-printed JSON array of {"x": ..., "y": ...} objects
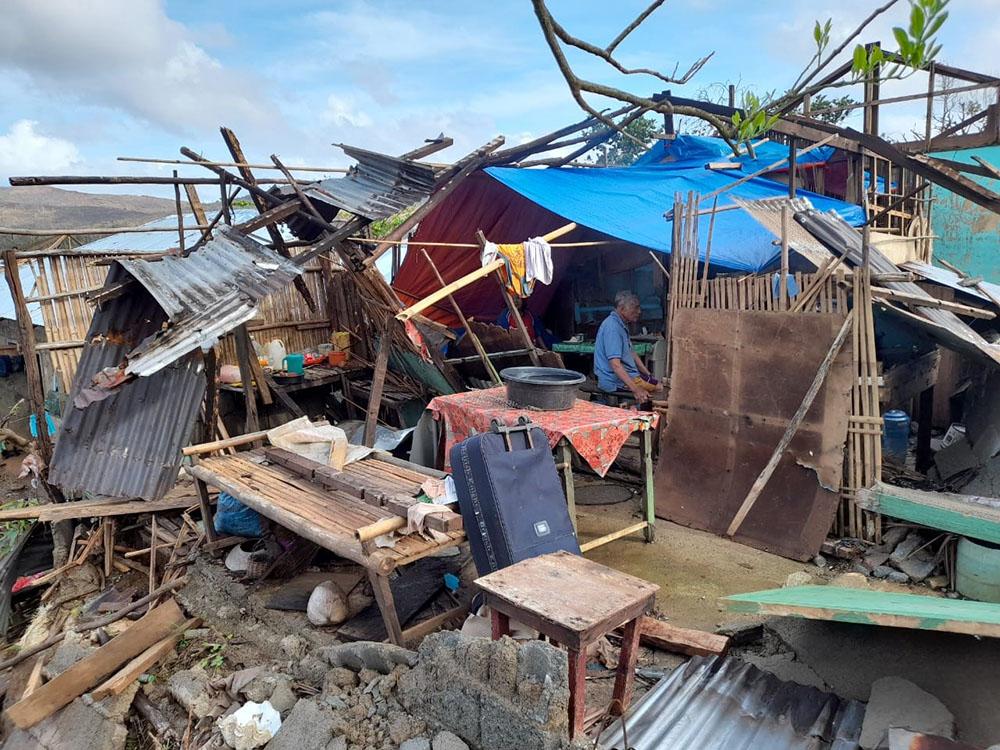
[{"x": 629, "y": 202}]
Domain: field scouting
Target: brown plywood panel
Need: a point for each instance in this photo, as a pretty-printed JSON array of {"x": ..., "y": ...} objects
[{"x": 738, "y": 378}]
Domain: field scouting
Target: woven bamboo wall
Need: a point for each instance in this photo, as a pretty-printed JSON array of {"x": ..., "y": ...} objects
[
  {"x": 756, "y": 292},
  {"x": 63, "y": 281}
]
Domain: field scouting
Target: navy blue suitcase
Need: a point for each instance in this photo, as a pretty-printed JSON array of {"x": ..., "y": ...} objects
[{"x": 510, "y": 496}]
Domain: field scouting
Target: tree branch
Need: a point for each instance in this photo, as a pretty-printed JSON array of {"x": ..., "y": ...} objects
[{"x": 634, "y": 25}]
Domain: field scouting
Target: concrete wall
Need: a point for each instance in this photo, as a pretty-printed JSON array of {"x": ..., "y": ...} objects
[
  {"x": 496, "y": 695},
  {"x": 966, "y": 235}
]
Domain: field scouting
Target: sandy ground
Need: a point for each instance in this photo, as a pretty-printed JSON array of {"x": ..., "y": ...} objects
[{"x": 694, "y": 569}]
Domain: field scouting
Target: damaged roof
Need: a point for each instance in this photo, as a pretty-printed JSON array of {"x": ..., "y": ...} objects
[
  {"x": 205, "y": 295},
  {"x": 129, "y": 443},
  {"x": 942, "y": 325},
  {"x": 377, "y": 187},
  {"x": 714, "y": 703}
]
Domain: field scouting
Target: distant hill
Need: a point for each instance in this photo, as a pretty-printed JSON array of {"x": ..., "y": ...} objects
[{"x": 53, "y": 208}]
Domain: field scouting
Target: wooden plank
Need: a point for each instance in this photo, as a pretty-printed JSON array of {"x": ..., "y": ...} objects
[
  {"x": 868, "y": 607},
  {"x": 961, "y": 514},
  {"x": 72, "y": 510},
  {"x": 451, "y": 288},
  {"x": 902, "y": 383},
  {"x": 218, "y": 445},
  {"x": 90, "y": 670},
  {"x": 378, "y": 383},
  {"x": 658, "y": 634},
  {"x": 141, "y": 663},
  {"x": 919, "y": 300},
  {"x": 793, "y": 426}
]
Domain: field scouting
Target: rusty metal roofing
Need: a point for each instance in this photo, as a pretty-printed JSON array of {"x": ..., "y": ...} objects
[
  {"x": 205, "y": 295},
  {"x": 127, "y": 445},
  {"x": 942, "y": 325},
  {"x": 377, "y": 187},
  {"x": 726, "y": 704}
]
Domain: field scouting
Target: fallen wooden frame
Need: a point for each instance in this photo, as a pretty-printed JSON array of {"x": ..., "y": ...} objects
[
  {"x": 78, "y": 509},
  {"x": 666, "y": 637},
  {"x": 460, "y": 283}
]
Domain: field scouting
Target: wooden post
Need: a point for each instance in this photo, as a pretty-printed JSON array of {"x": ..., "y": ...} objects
[
  {"x": 792, "y": 172},
  {"x": 783, "y": 292},
  {"x": 180, "y": 215},
  {"x": 566, "y": 453},
  {"x": 153, "y": 544},
  {"x": 244, "y": 350},
  {"x": 925, "y": 408},
  {"x": 793, "y": 427},
  {"x": 211, "y": 395},
  {"x": 930, "y": 106},
  {"x": 476, "y": 343},
  {"x": 26, "y": 335},
  {"x": 378, "y": 382},
  {"x": 648, "y": 491},
  {"x": 207, "y": 518},
  {"x": 387, "y": 606}
]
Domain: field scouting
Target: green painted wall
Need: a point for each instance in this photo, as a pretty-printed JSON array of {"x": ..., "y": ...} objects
[{"x": 966, "y": 235}]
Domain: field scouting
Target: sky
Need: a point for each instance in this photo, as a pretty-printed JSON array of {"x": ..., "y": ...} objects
[{"x": 83, "y": 83}]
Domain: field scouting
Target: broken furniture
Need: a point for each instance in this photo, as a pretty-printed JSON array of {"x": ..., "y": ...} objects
[
  {"x": 340, "y": 511},
  {"x": 968, "y": 515},
  {"x": 596, "y": 433},
  {"x": 869, "y": 607},
  {"x": 574, "y": 602}
]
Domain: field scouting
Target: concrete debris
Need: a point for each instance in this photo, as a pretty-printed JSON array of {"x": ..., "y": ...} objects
[
  {"x": 448, "y": 741},
  {"x": 252, "y": 725},
  {"x": 898, "y": 703},
  {"x": 890, "y": 574},
  {"x": 190, "y": 688},
  {"x": 417, "y": 743},
  {"x": 340, "y": 677},
  {"x": 403, "y": 727},
  {"x": 282, "y": 697},
  {"x": 798, "y": 578},
  {"x": 310, "y": 724},
  {"x": 491, "y": 693},
  {"x": 380, "y": 657},
  {"x": 906, "y": 547}
]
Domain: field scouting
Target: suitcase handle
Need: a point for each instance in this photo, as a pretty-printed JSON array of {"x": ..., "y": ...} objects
[{"x": 523, "y": 425}]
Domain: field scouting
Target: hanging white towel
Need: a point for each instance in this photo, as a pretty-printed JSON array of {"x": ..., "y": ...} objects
[{"x": 538, "y": 260}]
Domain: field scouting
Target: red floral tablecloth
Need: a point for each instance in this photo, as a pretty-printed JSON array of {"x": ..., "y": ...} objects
[{"x": 596, "y": 432}]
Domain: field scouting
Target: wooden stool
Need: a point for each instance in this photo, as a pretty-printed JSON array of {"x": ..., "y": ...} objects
[{"x": 574, "y": 602}]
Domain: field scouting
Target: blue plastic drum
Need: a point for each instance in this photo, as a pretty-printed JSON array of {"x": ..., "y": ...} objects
[{"x": 896, "y": 435}]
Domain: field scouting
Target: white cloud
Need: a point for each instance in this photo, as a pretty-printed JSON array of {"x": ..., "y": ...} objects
[
  {"x": 24, "y": 149},
  {"x": 345, "y": 111},
  {"x": 127, "y": 54}
]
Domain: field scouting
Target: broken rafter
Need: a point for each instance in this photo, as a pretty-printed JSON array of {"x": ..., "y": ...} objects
[{"x": 339, "y": 170}]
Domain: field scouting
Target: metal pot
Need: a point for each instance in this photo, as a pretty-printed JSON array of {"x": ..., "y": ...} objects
[{"x": 545, "y": 388}]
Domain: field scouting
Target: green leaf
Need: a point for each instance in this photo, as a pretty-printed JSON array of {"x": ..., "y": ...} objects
[
  {"x": 860, "y": 62},
  {"x": 917, "y": 20},
  {"x": 901, "y": 37},
  {"x": 818, "y": 34},
  {"x": 936, "y": 24},
  {"x": 737, "y": 118}
]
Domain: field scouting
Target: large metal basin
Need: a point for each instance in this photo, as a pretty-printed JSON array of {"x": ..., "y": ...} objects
[{"x": 545, "y": 388}]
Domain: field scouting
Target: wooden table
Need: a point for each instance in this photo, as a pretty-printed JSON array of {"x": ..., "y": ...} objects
[
  {"x": 329, "y": 517},
  {"x": 574, "y": 602}
]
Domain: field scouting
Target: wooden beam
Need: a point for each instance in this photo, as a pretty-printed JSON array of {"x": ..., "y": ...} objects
[
  {"x": 378, "y": 383},
  {"x": 218, "y": 445},
  {"x": 921, "y": 301},
  {"x": 454, "y": 286},
  {"x": 141, "y": 664},
  {"x": 90, "y": 670},
  {"x": 662, "y": 635},
  {"x": 26, "y": 336},
  {"x": 793, "y": 427}
]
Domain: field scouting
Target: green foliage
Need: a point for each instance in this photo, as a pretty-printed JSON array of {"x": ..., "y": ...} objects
[
  {"x": 215, "y": 659},
  {"x": 754, "y": 119},
  {"x": 241, "y": 203},
  {"x": 621, "y": 150},
  {"x": 11, "y": 531},
  {"x": 383, "y": 227},
  {"x": 917, "y": 44}
]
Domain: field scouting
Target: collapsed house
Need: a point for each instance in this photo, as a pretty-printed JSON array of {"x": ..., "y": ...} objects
[{"x": 788, "y": 297}]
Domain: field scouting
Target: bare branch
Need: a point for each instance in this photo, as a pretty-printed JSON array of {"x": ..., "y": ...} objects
[{"x": 634, "y": 25}]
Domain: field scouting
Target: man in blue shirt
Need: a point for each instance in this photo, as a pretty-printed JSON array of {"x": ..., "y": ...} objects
[{"x": 615, "y": 363}]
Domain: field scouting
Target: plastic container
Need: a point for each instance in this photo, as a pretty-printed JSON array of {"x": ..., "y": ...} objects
[
  {"x": 977, "y": 570},
  {"x": 336, "y": 359},
  {"x": 294, "y": 363},
  {"x": 276, "y": 353},
  {"x": 545, "y": 388},
  {"x": 896, "y": 435},
  {"x": 341, "y": 340}
]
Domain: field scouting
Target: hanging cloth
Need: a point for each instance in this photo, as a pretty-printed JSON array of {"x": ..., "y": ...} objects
[{"x": 524, "y": 263}]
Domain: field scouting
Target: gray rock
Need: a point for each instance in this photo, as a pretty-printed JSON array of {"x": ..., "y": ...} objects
[
  {"x": 380, "y": 657},
  {"x": 906, "y": 547},
  {"x": 893, "y": 536},
  {"x": 403, "y": 727},
  {"x": 294, "y": 646},
  {"x": 83, "y": 723},
  {"x": 310, "y": 724},
  {"x": 282, "y": 697},
  {"x": 417, "y": 743},
  {"x": 337, "y": 743},
  {"x": 190, "y": 688},
  {"x": 312, "y": 669},
  {"x": 890, "y": 574},
  {"x": 819, "y": 561},
  {"x": 917, "y": 566},
  {"x": 448, "y": 741},
  {"x": 898, "y": 703},
  {"x": 875, "y": 559},
  {"x": 73, "y": 648}
]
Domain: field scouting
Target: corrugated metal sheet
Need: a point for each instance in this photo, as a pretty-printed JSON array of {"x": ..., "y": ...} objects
[
  {"x": 950, "y": 279},
  {"x": 767, "y": 213},
  {"x": 725, "y": 704},
  {"x": 204, "y": 295},
  {"x": 161, "y": 242},
  {"x": 127, "y": 445},
  {"x": 944, "y": 326},
  {"x": 379, "y": 186}
]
